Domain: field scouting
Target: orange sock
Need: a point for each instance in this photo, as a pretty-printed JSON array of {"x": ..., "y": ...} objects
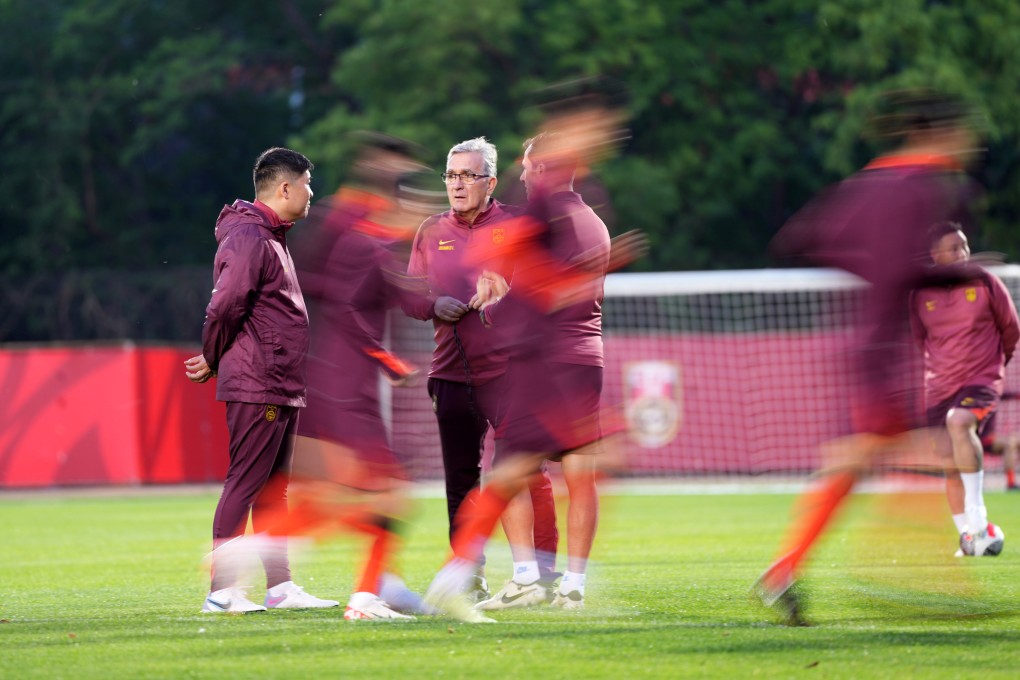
[
  {"x": 817, "y": 508},
  {"x": 483, "y": 509},
  {"x": 378, "y": 557},
  {"x": 1010, "y": 477},
  {"x": 383, "y": 543}
]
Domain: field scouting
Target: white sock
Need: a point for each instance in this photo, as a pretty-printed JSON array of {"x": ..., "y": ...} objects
[
  {"x": 526, "y": 572},
  {"x": 974, "y": 500},
  {"x": 960, "y": 521},
  {"x": 572, "y": 581}
]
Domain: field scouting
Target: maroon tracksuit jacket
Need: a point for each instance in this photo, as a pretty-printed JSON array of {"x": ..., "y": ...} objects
[{"x": 255, "y": 334}]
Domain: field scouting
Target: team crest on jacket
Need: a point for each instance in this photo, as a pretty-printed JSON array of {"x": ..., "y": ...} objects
[
  {"x": 929, "y": 305},
  {"x": 270, "y": 412},
  {"x": 970, "y": 294},
  {"x": 652, "y": 402},
  {"x": 498, "y": 235}
]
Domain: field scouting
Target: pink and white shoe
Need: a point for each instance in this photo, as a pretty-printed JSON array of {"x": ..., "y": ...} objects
[
  {"x": 289, "y": 595},
  {"x": 369, "y": 606}
]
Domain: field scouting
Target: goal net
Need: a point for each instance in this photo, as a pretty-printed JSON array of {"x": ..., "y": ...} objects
[{"x": 723, "y": 373}]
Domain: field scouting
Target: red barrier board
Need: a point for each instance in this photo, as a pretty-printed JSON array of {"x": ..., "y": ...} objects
[{"x": 107, "y": 415}]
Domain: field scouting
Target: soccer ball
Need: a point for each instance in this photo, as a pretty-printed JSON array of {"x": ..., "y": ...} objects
[{"x": 986, "y": 543}]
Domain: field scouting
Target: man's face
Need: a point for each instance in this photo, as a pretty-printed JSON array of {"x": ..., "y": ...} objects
[
  {"x": 297, "y": 195},
  {"x": 468, "y": 200},
  {"x": 530, "y": 175},
  {"x": 950, "y": 249}
]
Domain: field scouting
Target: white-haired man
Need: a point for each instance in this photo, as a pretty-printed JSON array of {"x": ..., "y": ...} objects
[{"x": 468, "y": 366}]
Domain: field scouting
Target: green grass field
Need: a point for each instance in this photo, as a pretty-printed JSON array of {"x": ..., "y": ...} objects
[{"x": 111, "y": 587}]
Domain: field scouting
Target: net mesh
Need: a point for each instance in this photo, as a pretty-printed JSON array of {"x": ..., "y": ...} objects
[{"x": 733, "y": 374}]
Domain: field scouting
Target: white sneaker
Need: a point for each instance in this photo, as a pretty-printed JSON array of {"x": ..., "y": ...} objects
[
  {"x": 446, "y": 592},
  {"x": 988, "y": 542},
  {"x": 478, "y": 589},
  {"x": 514, "y": 595},
  {"x": 289, "y": 595},
  {"x": 366, "y": 606},
  {"x": 572, "y": 600},
  {"x": 232, "y": 600},
  {"x": 395, "y": 593}
]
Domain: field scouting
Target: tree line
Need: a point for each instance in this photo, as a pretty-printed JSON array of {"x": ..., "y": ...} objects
[{"x": 124, "y": 125}]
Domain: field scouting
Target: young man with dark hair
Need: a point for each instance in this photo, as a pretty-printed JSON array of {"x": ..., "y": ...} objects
[
  {"x": 255, "y": 342},
  {"x": 968, "y": 332}
]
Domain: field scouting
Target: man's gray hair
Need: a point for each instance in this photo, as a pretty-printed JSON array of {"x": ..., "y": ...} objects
[{"x": 479, "y": 145}]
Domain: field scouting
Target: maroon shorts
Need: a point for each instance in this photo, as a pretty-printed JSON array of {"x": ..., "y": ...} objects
[
  {"x": 978, "y": 399},
  {"x": 551, "y": 408},
  {"x": 988, "y": 433},
  {"x": 362, "y": 432}
]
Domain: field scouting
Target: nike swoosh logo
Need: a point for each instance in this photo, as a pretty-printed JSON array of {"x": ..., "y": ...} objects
[
  {"x": 222, "y": 605},
  {"x": 443, "y": 243},
  {"x": 513, "y": 598},
  {"x": 273, "y": 601}
]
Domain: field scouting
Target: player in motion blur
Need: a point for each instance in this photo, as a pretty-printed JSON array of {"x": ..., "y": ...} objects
[
  {"x": 345, "y": 476},
  {"x": 875, "y": 225},
  {"x": 968, "y": 332},
  {"x": 255, "y": 341},
  {"x": 467, "y": 376},
  {"x": 551, "y": 323}
]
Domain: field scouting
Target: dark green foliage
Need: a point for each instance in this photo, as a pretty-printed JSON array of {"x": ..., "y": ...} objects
[{"x": 124, "y": 126}]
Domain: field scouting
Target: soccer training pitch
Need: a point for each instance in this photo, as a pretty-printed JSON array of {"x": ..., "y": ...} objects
[{"x": 111, "y": 586}]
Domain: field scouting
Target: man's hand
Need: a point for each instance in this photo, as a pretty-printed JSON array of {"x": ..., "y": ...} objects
[
  {"x": 450, "y": 309},
  {"x": 198, "y": 370},
  {"x": 626, "y": 248},
  {"x": 489, "y": 289},
  {"x": 406, "y": 380}
]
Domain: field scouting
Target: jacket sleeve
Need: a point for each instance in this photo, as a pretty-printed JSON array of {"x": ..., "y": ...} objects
[
  {"x": 238, "y": 274},
  {"x": 1005, "y": 315},
  {"x": 359, "y": 291},
  {"x": 419, "y": 306}
]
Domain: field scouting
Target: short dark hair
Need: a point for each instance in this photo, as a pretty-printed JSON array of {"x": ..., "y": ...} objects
[
  {"x": 941, "y": 229},
  {"x": 274, "y": 164},
  {"x": 369, "y": 141},
  {"x": 902, "y": 112},
  {"x": 548, "y": 148},
  {"x": 581, "y": 94}
]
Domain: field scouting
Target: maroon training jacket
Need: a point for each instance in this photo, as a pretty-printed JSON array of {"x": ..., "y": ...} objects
[{"x": 255, "y": 334}]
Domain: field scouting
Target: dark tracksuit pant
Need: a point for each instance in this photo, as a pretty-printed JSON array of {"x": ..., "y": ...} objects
[{"x": 261, "y": 446}]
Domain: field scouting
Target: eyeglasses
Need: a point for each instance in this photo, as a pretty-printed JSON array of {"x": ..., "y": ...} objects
[{"x": 468, "y": 178}]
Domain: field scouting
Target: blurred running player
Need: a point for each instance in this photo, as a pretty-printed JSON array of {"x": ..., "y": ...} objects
[
  {"x": 466, "y": 379},
  {"x": 345, "y": 476},
  {"x": 550, "y": 322},
  {"x": 968, "y": 333},
  {"x": 874, "y": 224}
]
